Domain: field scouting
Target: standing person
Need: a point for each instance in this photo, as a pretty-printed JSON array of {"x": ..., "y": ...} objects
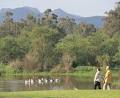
[
  {"x": 107, "y": 79},
  {"x": 97, "y": 79}
]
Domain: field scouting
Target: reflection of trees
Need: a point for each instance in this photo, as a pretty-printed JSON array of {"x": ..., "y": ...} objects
[
  {"x": 119, "y": 79},
  {"x": 119, "y": 74},
  {"x": 68, "y": 83},
  {"x": 77, "y": 82}
]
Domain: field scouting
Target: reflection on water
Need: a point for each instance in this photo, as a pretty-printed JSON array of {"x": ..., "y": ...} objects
[{"x": 20, "y": 83}]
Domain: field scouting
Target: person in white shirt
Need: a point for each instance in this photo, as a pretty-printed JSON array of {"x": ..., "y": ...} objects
[{"x": 97, "y": 79}]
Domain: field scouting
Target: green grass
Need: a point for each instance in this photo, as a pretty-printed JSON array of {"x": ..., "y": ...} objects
[
  {"x": 81, "y": 71},
  {"x": 62, "y": 94},
  {"x": 76, "y": 73}
]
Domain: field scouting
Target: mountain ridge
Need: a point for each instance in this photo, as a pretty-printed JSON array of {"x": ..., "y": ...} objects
[{"x": 17, "y": 16}]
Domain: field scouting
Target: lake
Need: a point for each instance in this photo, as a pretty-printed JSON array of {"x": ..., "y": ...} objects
[{"x": 33, "y": 83}]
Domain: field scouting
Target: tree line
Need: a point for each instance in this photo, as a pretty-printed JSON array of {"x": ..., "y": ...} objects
[{"x": 48, "y": 43}]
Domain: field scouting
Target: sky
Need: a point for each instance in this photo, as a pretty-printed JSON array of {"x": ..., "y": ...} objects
[{"x": 77, "y": 7}]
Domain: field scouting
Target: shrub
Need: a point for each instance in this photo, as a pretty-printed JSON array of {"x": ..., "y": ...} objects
[
  {"x": 9, "y": 70},
  {"x": 2, "y": 68}
]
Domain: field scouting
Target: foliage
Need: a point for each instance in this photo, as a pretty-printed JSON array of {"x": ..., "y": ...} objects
[
  {"x": 50, "y": 44},
  {"x": 9, "y": 49},
  {"x": 112, "y": 21}
]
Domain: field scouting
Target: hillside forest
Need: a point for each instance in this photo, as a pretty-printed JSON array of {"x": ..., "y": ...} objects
[{"x": 37, "y": 44}]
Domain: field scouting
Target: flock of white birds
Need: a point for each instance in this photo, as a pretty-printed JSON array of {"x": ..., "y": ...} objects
[{"x": 41, "y": 81}]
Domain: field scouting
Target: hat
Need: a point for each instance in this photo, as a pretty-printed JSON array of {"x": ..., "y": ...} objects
[{"x": 107, "y": 67}]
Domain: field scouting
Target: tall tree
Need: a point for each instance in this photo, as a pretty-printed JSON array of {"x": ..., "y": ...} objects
[
  {"x": 49, "y": 18},
  {"x": 112, "y": 21},
  {"x": 42, "y": 48},
  {"x": 66, "y": 25},
  {"x": 85, "y": 29},
  {"x": 9, "y": 26}
]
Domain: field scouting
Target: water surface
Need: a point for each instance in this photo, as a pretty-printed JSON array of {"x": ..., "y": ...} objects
[{"x": 17, "y": 83}]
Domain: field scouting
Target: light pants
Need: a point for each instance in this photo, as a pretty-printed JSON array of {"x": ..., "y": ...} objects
[{"x": 107, "y": 86}]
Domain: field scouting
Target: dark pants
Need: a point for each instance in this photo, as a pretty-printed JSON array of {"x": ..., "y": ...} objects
[{"x": 97, "y": 84}]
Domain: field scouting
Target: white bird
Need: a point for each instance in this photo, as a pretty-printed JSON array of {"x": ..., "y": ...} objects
[
  {"x": 27, "y": 82},
  {"x": 57, "y": 80},
  {"x": 39, "y": 81},
  {"x": 51, "y": 81},
  {"x": 31, "y": 81},
  {"x": 42, "y": 79}
]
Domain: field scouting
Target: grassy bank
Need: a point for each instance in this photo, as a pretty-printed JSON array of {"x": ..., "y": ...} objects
[
  {"x": 62, "y": 94},
  {"x": 79, "y": 73},
  {"x": 85, "y": 71},
  {"x": 75, "y": 73}
]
